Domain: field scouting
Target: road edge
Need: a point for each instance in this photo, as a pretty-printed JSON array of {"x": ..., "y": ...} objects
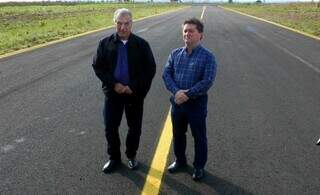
[
  {"x": 274, "y": 23},
  {"x": 78, "y": 35}
]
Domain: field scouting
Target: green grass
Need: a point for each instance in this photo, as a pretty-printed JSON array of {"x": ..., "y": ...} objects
[
  {"x": 29, "y": 24},
  {"x": 301, "y": 16}
]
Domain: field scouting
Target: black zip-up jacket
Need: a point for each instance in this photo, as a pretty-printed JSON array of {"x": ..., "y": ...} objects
[{"x": 141, "y": 64}]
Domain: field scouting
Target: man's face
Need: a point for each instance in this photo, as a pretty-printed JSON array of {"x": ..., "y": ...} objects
[
  {"x": 191, "y": 36},
  {"x": 123, "y": 26}
]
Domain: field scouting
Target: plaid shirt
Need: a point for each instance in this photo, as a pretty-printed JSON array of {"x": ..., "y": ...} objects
[{"x": 195, "y": 71}]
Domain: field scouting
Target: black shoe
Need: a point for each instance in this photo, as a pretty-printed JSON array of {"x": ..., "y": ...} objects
[
  {"x": 198, "y": 174},
  {"x": 176, "y": 166},
  {"x": 133, "y": 164},
  {"x": 111, "y": 165}
]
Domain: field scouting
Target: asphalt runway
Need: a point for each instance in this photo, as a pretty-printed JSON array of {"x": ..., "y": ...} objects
[{"x": 263, "y": 119}]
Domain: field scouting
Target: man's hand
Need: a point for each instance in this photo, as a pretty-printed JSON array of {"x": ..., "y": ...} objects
[
  {"x": 127, "y": 90},
  {"x": 122, "y": 89},
  {"x": 119, "y": 88},
  {"x": 180, "y": 97}
]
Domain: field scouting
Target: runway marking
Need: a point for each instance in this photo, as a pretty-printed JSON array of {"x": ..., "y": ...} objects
[
  {"x": 203, "y": 10},
  {"x": 142, "y": 30},
  {"x": 81, "y": 133},
  {"x": 155, "y": 174},
  {"x": 298, "y": 58},
  {"x": 274, "y": 23},
  {"x": 7, "y": 148},
  {"x": 277, "y": 45},
  {"x": 290, "y": 53},
  {"x": 72, "y": 131},
  {"x": 20, "y": 140},
  {"x": 159, "y": 161}
]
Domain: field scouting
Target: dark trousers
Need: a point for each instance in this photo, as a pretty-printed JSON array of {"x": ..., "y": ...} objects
[
  {"x": 113, "y": 111},
  {"x": 194, "y": 113}
]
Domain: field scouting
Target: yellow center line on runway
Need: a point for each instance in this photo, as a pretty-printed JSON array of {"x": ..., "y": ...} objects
[
  {"x": 153, "y": 180},
  {"x": 159, "y": 161}
]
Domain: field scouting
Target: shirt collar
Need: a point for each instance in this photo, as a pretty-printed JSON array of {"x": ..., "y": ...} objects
[
  {"x": 193, "y": 50},
  {"x": 117, "y": 38}
]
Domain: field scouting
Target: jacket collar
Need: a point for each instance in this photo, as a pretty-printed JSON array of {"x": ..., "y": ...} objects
[{"x": 117, "y": 39}]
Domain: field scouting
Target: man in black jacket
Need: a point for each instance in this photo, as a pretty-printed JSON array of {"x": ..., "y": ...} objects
[{"x": 125, "y": 65}]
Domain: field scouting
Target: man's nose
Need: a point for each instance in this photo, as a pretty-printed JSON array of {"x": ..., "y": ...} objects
[{"x": 123, "y": 26}]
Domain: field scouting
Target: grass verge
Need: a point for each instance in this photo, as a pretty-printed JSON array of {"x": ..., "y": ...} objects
[{"x": 28, "y": 24}]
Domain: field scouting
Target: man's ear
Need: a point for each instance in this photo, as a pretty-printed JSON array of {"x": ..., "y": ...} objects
[{"x": 201, "y": 36}]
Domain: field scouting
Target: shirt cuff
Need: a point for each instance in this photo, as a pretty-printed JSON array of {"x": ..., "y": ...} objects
[
  {"x": 175, "y": 90},
  {"x": 190, "y": 94}
]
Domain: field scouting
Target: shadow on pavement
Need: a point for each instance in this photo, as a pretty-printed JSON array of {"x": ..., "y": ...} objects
[
  {"x": 219, "y": 185},
  {"x": 138, "y": 177},
  {"x": 222, "y": 186}
]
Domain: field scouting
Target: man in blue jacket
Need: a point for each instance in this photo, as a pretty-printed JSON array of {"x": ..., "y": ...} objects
[
  {"x": 125, "y": 65},
  {"x": 188, "y": 75}
]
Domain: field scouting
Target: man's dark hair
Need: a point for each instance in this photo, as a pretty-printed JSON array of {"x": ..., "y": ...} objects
[{"x": 196, "y": 22}]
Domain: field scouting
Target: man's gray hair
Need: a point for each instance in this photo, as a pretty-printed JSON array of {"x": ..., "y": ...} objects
[{"x": 121, "y": 12}]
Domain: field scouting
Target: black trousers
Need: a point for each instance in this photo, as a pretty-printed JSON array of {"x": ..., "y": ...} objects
[
  {"x": 114, "y": 107},
  {"x": 193, "y": 113}
]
